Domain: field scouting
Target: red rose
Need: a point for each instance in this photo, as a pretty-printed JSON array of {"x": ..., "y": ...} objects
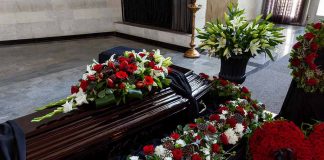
[
  {"x": 312, "y": 66},
  {"x": 309, "y": 59},
  {"x": 295, "y": 62},
  {"x": 148, "y": 149},
  {"x": 158, "y": 68},
  {"x": 151, "y": 64},
  {"x": 142, "y": 54},
  {"x": 91, "y": 77},
  {"x": 317, "y": 25},
  {"x": 177, "y": 154},
  {"x": 314, "y": 46},
  {"x": 197, "y": 137},
  {"x": 139, "y": 84},
  {"x": 251, "y": 115},
  {"x": 297, "y": 45},
  {"x": 131, "y": 55},
  {"x": 111, "y": 64},
  {"x": 151, "y": 54},
  {"x": 311, "y": 82},
  {"x": 215, "y": 148},
  {"x": 192, "y": 125},
  {"x": 240, "y": 110},
  {"x": 203, "y": 75},
  {"x": 148, "y": 80},
  {"x": 122, "y": 59},
  {"x": 132, "y": 68},
  {"x": 101, "y": 75},
  {"x": 231, "y": 121},
  {"x": 196, "y": 157},
  {"x": 214, "y": 117},
  {"x": 83, "y": 85},
  {"x": 110, "y": 83},
  {"x": 309, "y": 36},
  {"x": 221, "y": 109},
  {"x": 224, "y": 82},
  {"x": 211, "y": 129},
  {"x": 122, "y": 85},
  {"x": 224, "y": 139},
  {"x": 121, "y": 75},
  {"x": 97, "y": 67},
  {"x": 175, "y": 136},
  {"x": 169, "y": 70},
  {"x": 245, "y": 90},
  {"x": 74, "y": 89},
  {"x": 123, "y": 65}
]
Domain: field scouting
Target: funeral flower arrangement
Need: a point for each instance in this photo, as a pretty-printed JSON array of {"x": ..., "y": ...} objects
[
  {"x": 303, "y": 56},
  {"x": 239, "y": 36},
  {"x": 225, "y": 88},
  {"x": 208, "y": 138},
  {"x": 130, "y": 76},
  {"x": 284, "y": 139}
]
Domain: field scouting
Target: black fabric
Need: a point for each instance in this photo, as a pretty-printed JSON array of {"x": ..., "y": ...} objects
[
  {"x": 12, "y": 142},
  {"x": 148, "y": 12},
  {"x": 118, "y": 51},
  {"x": 300, "y": 106},
  {"x": 181, "y": 16}
]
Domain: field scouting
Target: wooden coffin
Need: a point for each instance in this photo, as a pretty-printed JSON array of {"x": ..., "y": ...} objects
[{"x": 78, "y": 131}]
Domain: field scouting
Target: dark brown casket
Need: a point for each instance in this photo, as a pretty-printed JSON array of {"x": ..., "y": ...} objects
[{"x": 78, "y": 132}]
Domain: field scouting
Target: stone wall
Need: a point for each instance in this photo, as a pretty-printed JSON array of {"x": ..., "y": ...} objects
[{"x": 26, "y": 19}]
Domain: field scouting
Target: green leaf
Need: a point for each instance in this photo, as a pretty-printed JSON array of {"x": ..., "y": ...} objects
[
  {"x": 158, "y": 82},
  {"x": 105, "y": 101},
  {"x": 166, "y": 82},
  {"x": 268, "y": 16},
  {"x": 269, "y": 54},
  {"x": 99, "y": 85},
  {"x": 109, "y": 91},
  {"x": 135, "y": 94},
  {"x": 102, "y": 94}
]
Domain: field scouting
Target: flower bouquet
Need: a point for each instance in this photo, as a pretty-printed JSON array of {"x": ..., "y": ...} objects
[
  {"x": 308, "y": 75},
  {"x": 116, "y": 81},
  {"x": 237, "y": 40},
  {"x": 208, "y": 139}
]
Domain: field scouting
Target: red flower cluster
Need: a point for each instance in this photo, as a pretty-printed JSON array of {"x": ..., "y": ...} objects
[
  {"x": 317, "y": 25},
  {"x": 309, "y": 36},
  {"x": 177, "y": 154},
  {"x": 278, "y": 135},
  {"x": 148, "y": 149},
  {"x": 316, "y": 139},
  {"x": 203, "y": 75}
]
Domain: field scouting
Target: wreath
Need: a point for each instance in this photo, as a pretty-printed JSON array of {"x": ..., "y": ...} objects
[{"x": 308, "y": 75}]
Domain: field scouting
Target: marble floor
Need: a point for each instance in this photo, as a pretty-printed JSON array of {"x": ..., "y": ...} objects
[{"x": 32, "y": 75}]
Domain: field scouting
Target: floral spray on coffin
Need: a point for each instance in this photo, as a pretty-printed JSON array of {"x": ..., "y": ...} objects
[{"x": 121, "y": 79}]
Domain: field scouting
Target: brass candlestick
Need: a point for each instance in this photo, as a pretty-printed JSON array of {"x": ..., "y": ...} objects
[{"x": 192, "y": 52}]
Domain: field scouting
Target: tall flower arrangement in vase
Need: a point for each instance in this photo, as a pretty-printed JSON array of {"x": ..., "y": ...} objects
[
  {"x": 238, "y": 36},
  {"x": 123, "y": 78}
]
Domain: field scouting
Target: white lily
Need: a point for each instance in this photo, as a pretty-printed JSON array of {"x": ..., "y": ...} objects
[
  {"x": 68, "y": 106},
  {"x": 254, "y": 47},
  {"x": 227, "y": 53},
  {"x": 221, "y": 42},
  {"x": 90, "y": 71},
  {"x": 112, "y": 58},
  {"x": 81, "y": 98}
]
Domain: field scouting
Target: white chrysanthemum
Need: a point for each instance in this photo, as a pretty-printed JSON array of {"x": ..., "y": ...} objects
[
  {"x": 255, "y": 119},
  {"x": 231, "y": 136},
  {"x": 224, "y": 112},
  {"x": 181, "y": 142},
  {"x": 239, "y": 129},
  {"x": 206, "y": 151},
  {"x": 222, "y": 116},
  {"x": 160, "y": 151}
]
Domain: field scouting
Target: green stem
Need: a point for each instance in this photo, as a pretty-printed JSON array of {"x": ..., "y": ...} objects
[
  {"x": 58, "y": 103},
  {"x": 48, "y": 115}
]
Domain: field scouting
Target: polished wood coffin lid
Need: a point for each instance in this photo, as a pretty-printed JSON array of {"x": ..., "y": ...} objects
[{"x": 70, "y": 134}]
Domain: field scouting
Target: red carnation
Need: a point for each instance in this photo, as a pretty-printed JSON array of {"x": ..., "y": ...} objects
[
  {"x": 224, "y": 82},
  {"x": 139, "y": 84},
  {"x": 83, "y": 85},
  {"x": 101, "y": 75},
  {"x": 142, "y": 54},
  {"x": 169, "y": 70},
  {"x": 231, "y": 121},
  {"x": 211, "y": 129},
  {"x": 123, "y": 65},
  {"x": 148, "y": 149},
  {"x": 196, "y": 157},
  {"x": 317, "y": 25},
  {"x": 245, "y": 90},
  {"x": 214, "y": 117},
  {"x": 309, "y": 59},
  {"x": 121, "y": 75},
  {"x": 203, "y": 75},
  {"x": 122, "y": 59},
  {"x": 297, "y": 45},
  {"x": 151, "y": 64},
  {"x": 110, "y": 83},
  {"x": 311, "y": 82},
  {"x": 91, "y": 77},
  {"x": 111, "y": 65},
  {"x": 197, "y": 137},
  {"x": 192, "y": 125},
  {"x": 221, "y": 109},
  {"x": 132, "y": 68},
  {"x": 215, "y": 148},
  {"x": 240, "y": 110},
  {"x": 251, "y": 115},
  {"x": 317, "y": 139},
  {"x": 177, "y": 154},
  {"x": 122, "y": 85},
  {"x": 175, "y": 136},
  {"x": 295, "y": 62},
  {"x": 309, "y": 36},
  {"x": 224, "y": 139},
  {"x": 97, "y": 67},
  {"x": 74, "y": 89},
  {"x": 314, "y": 46},
  {"x": 148, "y": 80}
]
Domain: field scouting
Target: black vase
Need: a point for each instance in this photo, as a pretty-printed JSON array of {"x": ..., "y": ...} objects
[{"x": 233, "y": 69}]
